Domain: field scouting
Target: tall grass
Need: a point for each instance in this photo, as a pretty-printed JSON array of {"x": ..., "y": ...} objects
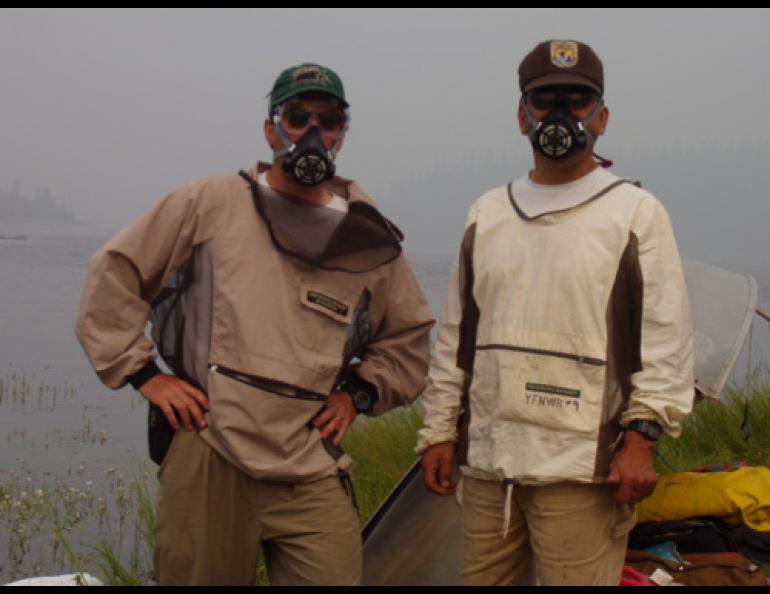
[
  {"x": 712, "y": 434},
  {"x": 137, "y": 569},
  {"x": 382, "y": 449},
  {"x": 52, "y": 526}
]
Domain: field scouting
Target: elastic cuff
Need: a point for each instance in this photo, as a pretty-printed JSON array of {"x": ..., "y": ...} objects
[
  {"x": 146, "y": 373},
  {"x": 423, "y": 445}
]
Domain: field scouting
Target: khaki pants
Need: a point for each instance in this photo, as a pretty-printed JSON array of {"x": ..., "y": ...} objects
[
  {"x": 561, "y": 534},
  {"x": 212, "y": 519}
]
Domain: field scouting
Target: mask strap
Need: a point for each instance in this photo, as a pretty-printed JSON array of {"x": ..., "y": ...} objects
[
  {"x": 605, "y": 163},
  {"x": 338, "y": 142},
  {"x": 336, "y": 146},
  {"x": 591, "y": 117},
  {"x": 530, "y": 118},
  {"x": 534, "y": 124},
  {"x": 288, "y": 146}
]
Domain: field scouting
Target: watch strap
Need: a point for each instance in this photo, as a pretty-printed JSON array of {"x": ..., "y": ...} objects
[
  {"x": 353, "y": 385},
  {"x": 650, "y": 430}
]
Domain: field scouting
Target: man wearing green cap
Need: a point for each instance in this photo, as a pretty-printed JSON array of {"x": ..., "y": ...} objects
[
  {"x": 565, "y": 347},
  {"x": 283, "y": 306}
]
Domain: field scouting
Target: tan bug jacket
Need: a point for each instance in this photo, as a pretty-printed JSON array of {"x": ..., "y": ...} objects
[{"x": 266, "y": 334}]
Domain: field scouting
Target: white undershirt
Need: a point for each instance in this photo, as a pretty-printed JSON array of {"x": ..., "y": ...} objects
[
  {"x": 536, "y": 199},
  {"x": 335, "y": 203}
]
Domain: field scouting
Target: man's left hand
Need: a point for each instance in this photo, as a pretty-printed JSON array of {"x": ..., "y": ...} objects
[
  {"x": 632, "y": 470},
  {"x": 336, "y": 417}
]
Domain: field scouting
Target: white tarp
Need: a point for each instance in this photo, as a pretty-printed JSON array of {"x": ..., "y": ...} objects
[{"x": 73, "y": 579}]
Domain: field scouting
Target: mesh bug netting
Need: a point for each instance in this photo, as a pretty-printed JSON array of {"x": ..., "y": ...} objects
[
  {"x": 180, "y": 318},
  {"x": 723, "y": 304},
  {"x": 359, "y": 240}
]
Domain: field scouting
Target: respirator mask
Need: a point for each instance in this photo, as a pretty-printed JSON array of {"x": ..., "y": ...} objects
[
  {"x": 560, "y": 133},
  {"x": 313, "y": 125}
]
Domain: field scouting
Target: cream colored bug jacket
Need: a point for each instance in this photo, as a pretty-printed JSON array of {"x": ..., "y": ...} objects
[
  {"x": 557, "y": 331},
  {"x": 265, "y": 332}
]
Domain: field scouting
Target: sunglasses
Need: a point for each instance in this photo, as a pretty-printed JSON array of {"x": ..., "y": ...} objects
[
  {"x": 547, "y": 99},
  {"x": 297, "y": 118}
]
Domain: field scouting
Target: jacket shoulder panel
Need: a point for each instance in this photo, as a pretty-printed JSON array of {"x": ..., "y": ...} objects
[{"x": 493, "y": 203}]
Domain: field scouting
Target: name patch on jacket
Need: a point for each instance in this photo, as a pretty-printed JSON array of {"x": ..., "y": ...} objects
[
  {"x": 551, "y": 396},
  {"x": 327, "y": 302}
]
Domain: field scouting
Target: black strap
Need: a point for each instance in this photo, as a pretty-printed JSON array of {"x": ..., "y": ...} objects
[
  {"x": 145, "y": 374},
  {"x": 746, "y": 422},
  {"x": 347, "y": 485}
]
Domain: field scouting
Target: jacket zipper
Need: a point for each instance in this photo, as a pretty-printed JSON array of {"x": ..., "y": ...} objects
[
  {"x": 272, "y": 386},
  {"x": 578, "y": 358}
]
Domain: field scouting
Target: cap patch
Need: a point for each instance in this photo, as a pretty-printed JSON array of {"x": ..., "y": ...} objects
[
  {"x": 564, "y": 54},
  {"x": 310, "y": 75}
]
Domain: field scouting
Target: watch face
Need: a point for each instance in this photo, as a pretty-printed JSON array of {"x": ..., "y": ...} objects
[
  {"x": 647, "y": 428},
  {"x": 361, "y": 401}
]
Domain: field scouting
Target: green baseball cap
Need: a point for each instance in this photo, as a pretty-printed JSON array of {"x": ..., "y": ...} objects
[{"x": 303, "y": 78}]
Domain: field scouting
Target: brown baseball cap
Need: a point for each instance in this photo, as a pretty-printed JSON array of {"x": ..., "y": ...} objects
[{"x": 561, "y": 62}]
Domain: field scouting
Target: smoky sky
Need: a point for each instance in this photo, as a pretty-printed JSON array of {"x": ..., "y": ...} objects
[{"x": 112, "y": 109}]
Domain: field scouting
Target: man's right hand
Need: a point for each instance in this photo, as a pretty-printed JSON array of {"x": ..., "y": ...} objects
[
  {"x": 437, "y": 462},
  {"x": 174, "y": 396}
]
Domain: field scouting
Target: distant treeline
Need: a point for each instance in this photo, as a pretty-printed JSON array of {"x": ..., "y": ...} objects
[{"x": 16, "y": 208}]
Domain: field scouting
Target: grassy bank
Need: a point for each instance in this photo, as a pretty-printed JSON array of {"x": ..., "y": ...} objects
[
  {"x": 712, "y": 434},
  {"x": 56, "y": 525},
  {"x": 61, "y": 525},
  {"x": 50, "y": 521},
  {"x": 382, "y": 449}
]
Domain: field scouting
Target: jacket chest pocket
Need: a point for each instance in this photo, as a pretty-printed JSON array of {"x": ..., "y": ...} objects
[
  {"x": 325, "y": 316},
  {"x": 539, "y": 387}
]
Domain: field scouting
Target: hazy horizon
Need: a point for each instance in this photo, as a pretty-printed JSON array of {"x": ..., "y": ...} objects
[{"x": 112, "y": 109}]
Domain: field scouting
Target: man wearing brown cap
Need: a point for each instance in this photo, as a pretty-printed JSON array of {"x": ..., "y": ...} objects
[
  {"x": 283, "y": 306},
  {"x": 565, "y": 347}
]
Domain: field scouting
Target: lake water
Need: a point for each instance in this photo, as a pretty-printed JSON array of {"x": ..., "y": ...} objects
[{"x": 58, "y": 423}]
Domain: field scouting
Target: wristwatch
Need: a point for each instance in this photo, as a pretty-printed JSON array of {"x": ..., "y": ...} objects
[
  {"x": 650, "y": 430},
  {"x": 363, "y": 393}
]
